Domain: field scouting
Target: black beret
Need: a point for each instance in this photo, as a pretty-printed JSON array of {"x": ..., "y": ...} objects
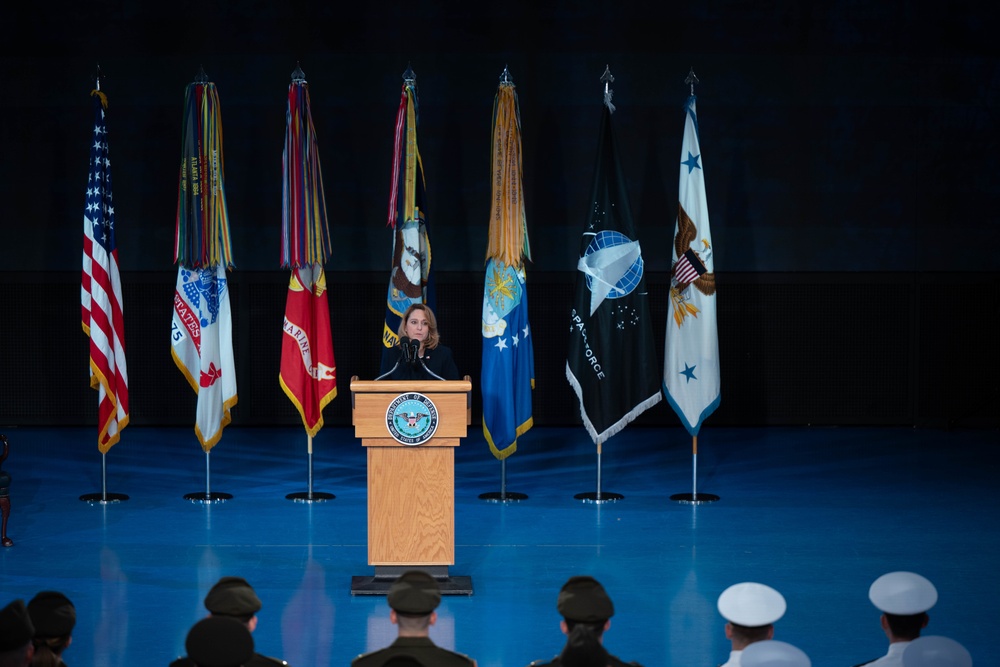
[
  {"x": 16, "y": 629},
  {"x": 219, "y": 641},
  {"x": 584, "y": 600},
  {"x": 415, "y": 592},
  {"x": 52, "y": 614},
  {"x": 232, "y": 596}
]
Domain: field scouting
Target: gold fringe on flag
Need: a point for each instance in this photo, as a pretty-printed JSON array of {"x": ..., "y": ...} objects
[{"x": 508, "y": 235}]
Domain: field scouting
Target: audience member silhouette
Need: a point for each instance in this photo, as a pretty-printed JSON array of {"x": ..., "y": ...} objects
[
  {"x": 234, "y": 597},
  {"x": 16, "y": 631},
  {"x": 54, "y": 618},
  {"x": 750, "y": 610},
  {"x": 412, "y": 599},
  {"x": 903, "y": 598},
  {"x": 583, "y": 603},
  {"x": 219, "y": 641}
]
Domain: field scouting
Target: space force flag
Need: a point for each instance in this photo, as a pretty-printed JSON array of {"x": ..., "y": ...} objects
[
  {"x": 691, "y": 346},
  {"x": 611, "y": 363}
]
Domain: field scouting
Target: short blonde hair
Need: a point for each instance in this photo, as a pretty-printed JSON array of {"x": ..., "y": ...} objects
[{"x": 433, "y": 337}]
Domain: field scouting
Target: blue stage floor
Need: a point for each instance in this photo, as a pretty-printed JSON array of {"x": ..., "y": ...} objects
[{"x": 816, "y": 513}]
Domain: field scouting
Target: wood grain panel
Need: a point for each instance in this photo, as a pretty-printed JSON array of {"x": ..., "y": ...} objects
[{"x": 411, "y": 505}]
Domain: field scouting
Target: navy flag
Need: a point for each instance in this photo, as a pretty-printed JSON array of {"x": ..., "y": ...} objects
[
  {"x": 612, "y": 363},
  {"x": 410, "y": 276}
]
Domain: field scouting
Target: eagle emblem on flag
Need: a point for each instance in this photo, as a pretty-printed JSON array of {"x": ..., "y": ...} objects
[{"x": 689, "y": 269}]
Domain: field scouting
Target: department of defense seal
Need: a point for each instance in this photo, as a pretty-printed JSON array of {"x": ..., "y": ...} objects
[{"x": 411, "y": 419}]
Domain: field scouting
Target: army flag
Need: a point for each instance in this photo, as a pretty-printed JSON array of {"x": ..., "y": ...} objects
[
  {"x": 308, "y": 372},
  {"x": 101, "y": 289},
  {"x": 508, "y": 373},
  {"x": 691, "y": 346},
  {"x": 611, "y": 363},
  {"x": 410, "y": 279},
  {"x": 202, "y": 324}
]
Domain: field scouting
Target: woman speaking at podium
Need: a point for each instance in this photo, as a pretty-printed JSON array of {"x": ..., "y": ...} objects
[{"x": 419, "y": 354}]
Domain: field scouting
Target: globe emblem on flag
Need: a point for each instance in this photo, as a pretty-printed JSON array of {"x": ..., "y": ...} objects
[
  {"x": 411, "y": 419},
  {"x": 606, "y": 240}
]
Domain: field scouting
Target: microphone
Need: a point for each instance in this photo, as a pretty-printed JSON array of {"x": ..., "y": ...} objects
[
  {"x": 414, "y": 346},
  {"x": 404, "y": 357}
]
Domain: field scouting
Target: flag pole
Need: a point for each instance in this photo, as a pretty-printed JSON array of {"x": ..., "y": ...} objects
[
  {"x": 310, "y": 496},
  {"x": 694, "y": 498},
  {"x": 208, "y": 496},
  {"x": 103, "y": 497},
  {"x": 305, "y": 247},
  {"x": 503, "y": 245},
  {"x": 599, "y": 496}
]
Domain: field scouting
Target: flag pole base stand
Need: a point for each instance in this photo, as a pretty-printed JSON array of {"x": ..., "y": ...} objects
[
  {"x": 103, "y": 498},
  {"x": 206, "y": 498},
  {"x": 386, "y": 575},
  {"x": 503, "y": 497},
  {"x": 310, "y": 496},
  {"x": 599, "y": 498},
  {"x": 694, "y": 498}
]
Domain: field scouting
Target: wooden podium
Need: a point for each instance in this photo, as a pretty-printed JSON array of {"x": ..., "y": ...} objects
[{"x": 410, "y": 431}]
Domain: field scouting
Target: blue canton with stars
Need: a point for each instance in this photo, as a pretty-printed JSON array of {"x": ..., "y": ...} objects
[{"x": 100, "y": 209}]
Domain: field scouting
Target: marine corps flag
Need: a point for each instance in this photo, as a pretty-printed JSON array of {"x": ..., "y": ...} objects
[
  {"x": 202, "y": 327},
  {"x": 508, "y": 356},
  {"x": 101, "y": 289},
  {"x": 612, "y": 357},
  {"x": 410, "y": 276},
  {"x": 308, "y": 371},
  {"x": 691, "y": 346}
]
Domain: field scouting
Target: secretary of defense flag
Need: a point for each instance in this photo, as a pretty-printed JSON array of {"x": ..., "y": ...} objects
[{"x": 691, "y": 347}]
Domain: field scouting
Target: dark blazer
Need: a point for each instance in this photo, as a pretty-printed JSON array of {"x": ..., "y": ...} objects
[{"x": 439, "y": 361}]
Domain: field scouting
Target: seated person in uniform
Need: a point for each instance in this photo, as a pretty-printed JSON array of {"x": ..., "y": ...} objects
[
  {"x": 412, "y": 601},
  {"x": 419, "y": 354},
  {"x": 750, "y": 610},
  {"x": 903, "y": 598},
  {"x": 586, "y": 610},
  {"x": 234, "y": 597}
]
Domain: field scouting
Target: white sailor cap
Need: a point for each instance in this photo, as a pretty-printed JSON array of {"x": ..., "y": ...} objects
[
  {"x": 751, "y": 604},
  {"x": 773, "y": 653},
  {"x": 902, "y": 593},
  {"x": 935, "y": 651}
]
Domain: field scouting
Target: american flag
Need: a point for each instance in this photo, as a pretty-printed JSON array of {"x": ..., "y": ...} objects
[{"x": 101, "y": 290}]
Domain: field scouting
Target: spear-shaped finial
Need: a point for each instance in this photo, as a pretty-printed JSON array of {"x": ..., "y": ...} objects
[
  {"x": 691, "y": 80},
  {"x": 298, "y": 76},
  {"x": 98, "y": 75},
  {"x": 201, "y": 77},
  {"x": 608, "y": 79},
  {"x": 409, "y": 77},
  {"x": 505, "y": 77}
]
